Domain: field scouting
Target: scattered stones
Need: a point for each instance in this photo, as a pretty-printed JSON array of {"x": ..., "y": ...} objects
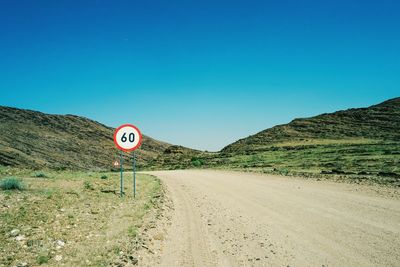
[
  {"x": 113, "y": 191},
  {"x": 125, "y": 260},
  {"x": 133, "y": 260},
  {"x": 158, "y": 236},
  {"x": 118, "y": 264},
  {"x": 59, "y": 244},
  {"x": 20, "y": 238},
  {"x": 58, "y": 257},
  {"x": 22, "y": 264},
  {"x": 14, "y": 232}
]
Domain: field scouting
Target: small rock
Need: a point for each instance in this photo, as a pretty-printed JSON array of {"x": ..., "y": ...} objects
[
  {"x": 20, "y": 238},
  {"x": 14, "y": 232},
  {"x": 58, "y": 257},
  {"x": 133, "y": 259},
  {"x": 22, "y": 264},
  {"x": 60, "y": 243}
]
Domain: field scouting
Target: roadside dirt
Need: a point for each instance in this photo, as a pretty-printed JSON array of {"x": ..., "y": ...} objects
[
  {"x": 239, "y": 219},
  {"x": 68, "y": 220}
]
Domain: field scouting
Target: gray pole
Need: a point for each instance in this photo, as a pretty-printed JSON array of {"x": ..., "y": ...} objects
[
  {"x": 134, "y": 174},
  {"x": 122, "y": 179}
]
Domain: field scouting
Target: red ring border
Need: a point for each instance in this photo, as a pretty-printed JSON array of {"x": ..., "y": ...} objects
[{"x": 134, "y": 127}]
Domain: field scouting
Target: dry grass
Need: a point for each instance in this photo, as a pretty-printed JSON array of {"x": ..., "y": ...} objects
[{"x": 62, "y": 220}]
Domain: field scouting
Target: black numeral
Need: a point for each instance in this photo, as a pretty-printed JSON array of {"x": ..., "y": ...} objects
[
  {"x": 123, "y": 138},
  {"x": 131, "y": 137}
]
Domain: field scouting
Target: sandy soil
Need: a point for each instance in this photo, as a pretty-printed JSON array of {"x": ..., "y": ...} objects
[{"x": 241, "y": 219}]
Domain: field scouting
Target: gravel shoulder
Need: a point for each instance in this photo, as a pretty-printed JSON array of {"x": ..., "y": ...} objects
[{"x": 222, "y": 218}]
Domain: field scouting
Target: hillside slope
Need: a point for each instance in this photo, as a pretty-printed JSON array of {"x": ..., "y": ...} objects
[
  {"x": 378, "y": 122},
  {"x": 36, "y": 140},
  {"x": 360, "y": 144}
]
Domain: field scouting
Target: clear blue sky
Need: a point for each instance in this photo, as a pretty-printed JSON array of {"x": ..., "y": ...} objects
[{"x": 198, "y": 73}]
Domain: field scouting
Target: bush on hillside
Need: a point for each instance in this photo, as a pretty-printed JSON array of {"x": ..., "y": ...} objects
[
  {"x": 40, "y": 175},
  {"x": 88, "y": 185},
  {"x": 196, "y": 162},
  {"x": 11, "y": 183}
]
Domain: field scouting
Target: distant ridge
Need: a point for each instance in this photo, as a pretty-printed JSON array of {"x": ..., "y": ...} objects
[
  {"x": 34, "y": 139},
  {"x": 379, "y": 122}
]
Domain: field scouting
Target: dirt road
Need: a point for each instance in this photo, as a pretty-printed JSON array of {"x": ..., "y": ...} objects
[{"x": 239, "y": 219}]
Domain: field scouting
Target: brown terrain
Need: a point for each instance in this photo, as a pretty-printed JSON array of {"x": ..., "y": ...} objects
[{"x": 223, "y": 218}]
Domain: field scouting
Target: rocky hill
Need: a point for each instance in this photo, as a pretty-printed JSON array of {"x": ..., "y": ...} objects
[
  {"x": 359, "y": 145},
  {"x": 32, "y": 139},
  {"x": 378, "y": 122}
]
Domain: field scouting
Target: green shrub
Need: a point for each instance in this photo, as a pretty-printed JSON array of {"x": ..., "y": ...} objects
[
  {"x": 103, "y": 177},
  {"x": 42, "y": 259},
  {"x": 11, "y": 183},
  {"x": 283, "y": 171},
  {"x": 133, "y": 231},
  {"x": 196, "y": 162},
  {"x": 40, "y": 175},
  {"x": 88, "y": 185}
]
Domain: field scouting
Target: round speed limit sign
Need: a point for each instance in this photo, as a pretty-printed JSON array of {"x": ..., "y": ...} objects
[{"x": 127, "y": 137}]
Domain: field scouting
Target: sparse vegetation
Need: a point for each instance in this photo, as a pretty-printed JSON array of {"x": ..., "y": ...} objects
[
  {"x": 103, "y": 177},
  {"x": 353, "y": 160},
  {"x": 133, "y": 231},
  {"x": 196, "y": 162},
  {"x": 42, "y": 259},
  {"x": 40, "y": 175},
  {"x": 60, "y": 211},
  {"x": 88, "y": 185},
  {"x": 12, "y": 183}
]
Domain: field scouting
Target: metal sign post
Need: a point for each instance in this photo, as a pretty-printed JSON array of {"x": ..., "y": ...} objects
[
  {"x": 134, "y": 174},
  {"x": 127, "y": 138},
  {"x": 122, "y": 178}
]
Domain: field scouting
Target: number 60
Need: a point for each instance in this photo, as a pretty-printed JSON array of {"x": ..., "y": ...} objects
[{"x": 131, "y": 137}]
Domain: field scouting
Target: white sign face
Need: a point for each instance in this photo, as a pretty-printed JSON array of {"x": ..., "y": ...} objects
[{"x": 127, "y": 137}]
